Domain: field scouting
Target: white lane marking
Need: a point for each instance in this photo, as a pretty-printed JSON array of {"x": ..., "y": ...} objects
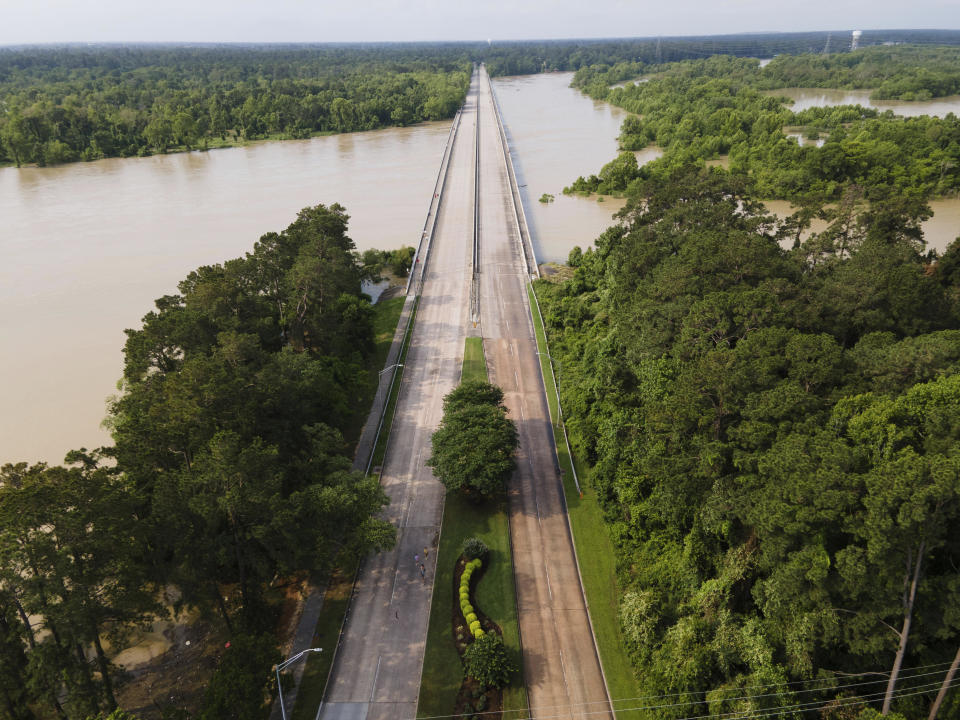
[
  {"x": 396, "y": 576},
  {"x": 373, "y": 690},
  {"x": 563, "y": 669}
]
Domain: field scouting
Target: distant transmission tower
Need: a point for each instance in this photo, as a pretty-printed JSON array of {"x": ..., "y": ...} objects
[
  {"x": 659, "y": 58},
  {"x": 826, "y": 48}
]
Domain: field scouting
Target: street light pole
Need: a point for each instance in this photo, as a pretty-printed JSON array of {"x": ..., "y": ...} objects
[
  {"x": 380, "y": 376},
  {"x": 281, "y": 666}
]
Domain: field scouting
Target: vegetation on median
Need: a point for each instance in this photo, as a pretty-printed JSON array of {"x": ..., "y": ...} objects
[{"x": 463, "y": 518}]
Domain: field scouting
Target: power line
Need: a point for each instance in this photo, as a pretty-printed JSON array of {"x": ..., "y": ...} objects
[
  {"x": 903, "y": 676},
  {"x": 759, "y": 715}
]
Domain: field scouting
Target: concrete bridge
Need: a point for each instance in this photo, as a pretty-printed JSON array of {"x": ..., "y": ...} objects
[{"x": 472, "y": 269}]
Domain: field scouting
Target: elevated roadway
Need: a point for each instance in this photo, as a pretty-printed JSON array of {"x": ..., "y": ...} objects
[
  {"x": 560, "y": 665},
  {"x": 376, "y": 672}
]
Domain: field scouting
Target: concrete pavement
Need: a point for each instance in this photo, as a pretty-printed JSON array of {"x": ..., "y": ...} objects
[
  {"x": 376, "y": 674},
  {"x": 560, "y": 665}
]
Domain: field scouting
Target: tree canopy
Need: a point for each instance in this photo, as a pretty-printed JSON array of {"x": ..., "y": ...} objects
[
  {"x": 473, "y": 446},
  {"x": 773, "y": 436},
  {"x": 697, "y": 110},
  {"x": 231, "y": 469}
]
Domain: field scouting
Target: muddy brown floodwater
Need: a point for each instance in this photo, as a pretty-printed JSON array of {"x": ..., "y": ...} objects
[
  {"x": 939, "y": 231},
  {"x": 804, "y": 98},
  {"x": 556, "y": 134},
  {"x": 86, "y": 248}
]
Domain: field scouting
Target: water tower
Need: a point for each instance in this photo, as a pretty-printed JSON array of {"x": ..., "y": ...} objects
[{"x": 855, "y": 40}]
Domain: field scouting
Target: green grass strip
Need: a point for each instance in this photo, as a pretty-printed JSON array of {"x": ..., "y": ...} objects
[
  {"x": 381, "y": 448},
  {"x": 474, "y": 364},
  {"x": 495, "y": 593},
  {"x": 314, "y": 680},
  {"x": 336, "y": 599},
  {"x": 592, "y": 541}
]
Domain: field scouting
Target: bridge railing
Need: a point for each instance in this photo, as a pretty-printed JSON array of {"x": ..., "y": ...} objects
[{"x": 526, "y": 242}]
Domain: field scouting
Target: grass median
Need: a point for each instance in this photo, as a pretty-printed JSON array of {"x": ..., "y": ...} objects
[
  {"x": 495, "y": 593},
  {"x": 592, "y": 541}
]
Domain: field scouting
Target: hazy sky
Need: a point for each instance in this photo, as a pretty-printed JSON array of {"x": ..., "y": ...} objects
[{"x": 32, "y": 21}]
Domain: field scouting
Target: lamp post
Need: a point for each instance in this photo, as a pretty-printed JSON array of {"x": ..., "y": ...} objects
[
  {"x": 281, "y": 666},
  {"x": 380, "y": 376}
]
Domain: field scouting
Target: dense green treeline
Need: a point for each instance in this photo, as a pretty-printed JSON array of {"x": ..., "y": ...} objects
[
  {"x": 898, "y": 73},
  {"x": 64, "y": 104},
  {"x": 774, "y": 439},
  {"x": 525, "y": 57},
  {"x": 230, "y": 471},
  {"x": 701, "y": 109}
]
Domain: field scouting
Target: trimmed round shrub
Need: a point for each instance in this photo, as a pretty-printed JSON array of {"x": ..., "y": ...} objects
[
  {"x": 488, "y": 661},
  {"x": 478, "y": 633},
  {"x": 477, "y": 564},
  {"x": 474, "y": 548},
  {"x": 474, "y": 626},
  {"x": 467, "y": 609},
  {"x": 470, "y": 617}
]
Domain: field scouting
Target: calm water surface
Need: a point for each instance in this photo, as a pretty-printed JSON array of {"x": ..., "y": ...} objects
[
  {"x": 804, "y": 98},
  {"x": 939, "y": 231},
  {"x": 87, "y": 247},
  {"x": 556, "y": 134}
]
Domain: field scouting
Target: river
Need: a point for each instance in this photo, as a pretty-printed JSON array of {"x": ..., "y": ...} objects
[
  {"x": 556, "y": 133},
  {"x": 804, "y": 98},
  {"x": 87, "y": 247}
]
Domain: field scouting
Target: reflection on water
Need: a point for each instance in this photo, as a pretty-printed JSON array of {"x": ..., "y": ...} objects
[
  {"x": 803, "y": 140},
  {"x": 648, "y": 154},
  {"x": 939, "y": 231},
  {"x": 804, "y": 98},
  {"x": 87, "y": 247},
  {"x": 556, "y": 134}
]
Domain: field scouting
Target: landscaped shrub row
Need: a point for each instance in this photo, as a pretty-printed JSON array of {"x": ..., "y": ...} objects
[{"x": 465, "y": 607}]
